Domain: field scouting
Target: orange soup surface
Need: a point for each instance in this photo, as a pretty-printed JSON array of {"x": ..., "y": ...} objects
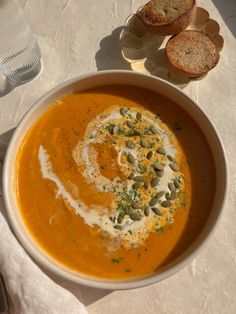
[{"x": 114, "y": 182}]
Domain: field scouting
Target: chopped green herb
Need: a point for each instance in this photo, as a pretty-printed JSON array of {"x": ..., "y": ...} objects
[
  {"x": 120, "y": 206},
  {"x": 105, "y": 234},
  {"x": 141, "y": 168},
  {"x": 127, "y": 196},
  {"x": 177, "y": 126},
  {"x": 116, "y": 260},
  {"x": 172, "y": 210},
  {"x": 122, "y": 131},
  {"x": 159, "y": 229},
  {"x": 151, "y": 145},
  {"x": 130, "y": 231},
  {"x": 183, "y": 202},
  {"x": 110, "y": 127}
]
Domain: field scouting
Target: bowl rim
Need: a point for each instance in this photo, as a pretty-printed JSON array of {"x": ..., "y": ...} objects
[{"x": 181, "y": 261}]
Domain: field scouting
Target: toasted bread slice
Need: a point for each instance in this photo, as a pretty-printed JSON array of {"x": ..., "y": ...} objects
[
  {"x": 167, "y": 17},
  {"x": 192, "y": 53}
]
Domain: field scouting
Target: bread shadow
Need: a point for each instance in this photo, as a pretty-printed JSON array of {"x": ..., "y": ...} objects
[
  {"x": 157, "y": 65},
  {"x": 109, "y": 56}
]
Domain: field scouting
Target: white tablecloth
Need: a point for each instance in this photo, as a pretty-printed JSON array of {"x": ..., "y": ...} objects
[{"x": 82, "y": 36}]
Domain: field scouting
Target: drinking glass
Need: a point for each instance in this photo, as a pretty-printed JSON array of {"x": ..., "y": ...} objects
[{"x": 20, "y": 56}]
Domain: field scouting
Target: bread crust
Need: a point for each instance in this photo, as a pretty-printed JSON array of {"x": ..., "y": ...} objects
[
  {"x": 169, "y": 28},
  {"x": 181, "y": 69}
]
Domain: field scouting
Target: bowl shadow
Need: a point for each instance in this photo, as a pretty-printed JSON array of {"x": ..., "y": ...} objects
[{"x": 84, "y": 294}]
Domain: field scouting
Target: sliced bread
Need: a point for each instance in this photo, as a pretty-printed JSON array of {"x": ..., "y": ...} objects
[
  {"x": 167, "y": 17},
  {"x": 192, "y": 53}
]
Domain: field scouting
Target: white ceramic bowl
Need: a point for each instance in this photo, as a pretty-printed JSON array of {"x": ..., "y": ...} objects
[{"x": 93, "y": 80}]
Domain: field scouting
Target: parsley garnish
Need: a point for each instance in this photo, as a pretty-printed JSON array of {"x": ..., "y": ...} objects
[
  {"x": 141, "y": 168},
  {"x": 159, "y": 229},
  {"x": 183, "y": 202},
  {"x": 177, "y": 126},
  {"x": 158, "y": 116},
  {"x": 169, "y": 219},
  {"x": 116, "y": 260},
  {"x": 110, "y": 127}
]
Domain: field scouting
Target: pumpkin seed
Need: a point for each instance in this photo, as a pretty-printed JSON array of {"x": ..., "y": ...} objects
[
  {"x": 134, "y": 133},
  {"x": 131, "y": 176},
  {"x": 157, "y": 165},
  {"x": 171, "y": 186},
  {"x": 177, "y": 183},
  {"x": 136, "y": 205},
  {"x": 144, "y": 143},
  {"x": 139, "y": 178},
  {"x": 129, "y": 124},
  {"x": 168, "y": 196},
  {"x": 166, "y": 204},
  {"x": 157, "y": 211},
  {"x": 115, "y": 129},
  {"x": 123, "y": 111},
  {"x": 118, "y": 227},
  {"x": 171, "y": 158},
  {"x": 120, "y": 218},
  {"x": 146, "y": 210},
  {"x": 149, "y": 155},
  {"x": 135, "y": 217},
  {"x": 146, "y": 185},
  {"x": 132, "y": 211},
  {"x": 159, "y": 173},
  {"x": 153, "y": 201},
  {"x": 153, "y": 129},
  {"x": 155, "y": 181},
  {"x": 159, "y": 194},
  {"x": 126, "y": 210},
  {"x": 161, "y": 150},
  {"x": 174, "y": 195},
  {"x": 136, "y": 185},
  {"x": 131, "y": 158},
  {"x": 139, "y": 116},
  {"x": 174, "y": 167},
  {"x": 148, "y": 132},
  {"x": 130, "y": 144}
]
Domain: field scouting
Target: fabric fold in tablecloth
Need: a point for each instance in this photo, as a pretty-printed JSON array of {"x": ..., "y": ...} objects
[{"x": 30, "y": 290}]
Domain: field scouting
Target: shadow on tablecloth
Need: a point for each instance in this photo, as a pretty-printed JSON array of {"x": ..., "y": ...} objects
[
  {"x": 109, "y": 57},
  {"x": 227, "y": 10},
  {"x": 6, "y": 86},
  {"x": 85, "y": 295}
]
